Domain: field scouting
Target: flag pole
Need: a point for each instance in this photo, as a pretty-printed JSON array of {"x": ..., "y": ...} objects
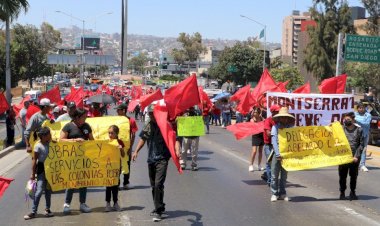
[{"x": 265, "y": 43}]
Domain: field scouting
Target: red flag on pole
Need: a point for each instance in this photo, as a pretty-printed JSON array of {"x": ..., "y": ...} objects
[
  {"x": 161, "y": 115},
  {"x": 282, "y": 86},
  {"x": 148, "y": 99},
  {"x": 245, "y": 99},
  {"x": 54, "y": 95},
  {"x": 136, "y": 92},
  {"x": 182, "y": 96},
  {"x": 17, "y": 108},
  {"x": 303, "y": 89},
  {"x": 245, "y": 129},
  {"x": 132, "y": 105},
  {"x": 32, "y": 109},
  {"x": 77, "y": 96},
  {"x": 334, "y": 85},
  {"x": 204, "y": 98},
  {"x": 4, "y": 106},
  {"x": 266, "y": 83},
  {"x": 4, "y": 183}
]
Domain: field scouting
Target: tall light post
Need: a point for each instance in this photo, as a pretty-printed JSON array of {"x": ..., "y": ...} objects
[
  {"x": 265, "y": 35},
  {"x": 82, "y": 45},
  {"x": 96, "y": 17}
]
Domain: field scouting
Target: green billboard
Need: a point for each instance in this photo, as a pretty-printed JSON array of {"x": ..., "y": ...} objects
[{"x": 362, "y": 48}]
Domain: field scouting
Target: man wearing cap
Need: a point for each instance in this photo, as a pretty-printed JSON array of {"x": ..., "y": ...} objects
[
  {"x": 36, "y": 121},
  {"x": 121, "y": 111},
  {"x": 268, "y": 123},
  {"x": 283, "y": 120},
  {"x": 23, "y": 112},
  {"x": 158, "y": 157},
  {"x": 68, "y": 115},
  {"x": 56, "y": 112}
]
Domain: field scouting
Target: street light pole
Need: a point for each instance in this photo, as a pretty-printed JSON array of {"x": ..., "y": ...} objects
[{"x": 265, "y": 36}]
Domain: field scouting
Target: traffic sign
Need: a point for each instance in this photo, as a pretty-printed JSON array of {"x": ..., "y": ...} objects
[
  {"x": 361, "y": 48},
  {"x": 232, "y": 68}
]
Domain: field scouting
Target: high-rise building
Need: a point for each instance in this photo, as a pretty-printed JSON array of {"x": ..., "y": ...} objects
[{"x": 291, "y": 26}]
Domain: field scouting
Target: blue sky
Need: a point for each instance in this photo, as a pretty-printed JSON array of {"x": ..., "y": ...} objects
[{"x": 167, "y": 18}]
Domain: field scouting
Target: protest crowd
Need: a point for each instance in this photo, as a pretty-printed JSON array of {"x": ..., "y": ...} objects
[{"x": 276, "y": 121}]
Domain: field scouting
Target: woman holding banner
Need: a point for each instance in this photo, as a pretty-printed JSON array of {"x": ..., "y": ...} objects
[{"x": 77, "y": 131}]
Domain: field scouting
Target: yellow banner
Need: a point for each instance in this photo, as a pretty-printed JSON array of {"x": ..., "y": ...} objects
[
  {"x": 99, "y": 126},
  {"x": 82, "y": 164},
  {"x": 190, "y": 126},
  {"x": 312, "y": 147}
]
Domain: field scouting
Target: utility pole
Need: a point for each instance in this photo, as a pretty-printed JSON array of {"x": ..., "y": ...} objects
[
  {"x": 339, "y": 58},
  {"x": 124, "y": 41}
]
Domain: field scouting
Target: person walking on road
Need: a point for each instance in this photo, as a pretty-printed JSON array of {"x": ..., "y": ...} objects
[
  {"x": 283, "y": 120},
  {"x": 10, "y": 122},
  {"x": 36, "y": 121},
  {"x": 158, "y": 158},
  {"x": 363, "y": 118},
  {"x": 257, "y": 141},
  {"x": 41, "y": 151},
  {"x": 23, "y": 112},
  {"x": 77, "y": 131},
  {"x": 355, "y": 138}
]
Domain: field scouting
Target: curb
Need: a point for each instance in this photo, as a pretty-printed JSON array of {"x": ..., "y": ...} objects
[{"x": 7, "y": 150}]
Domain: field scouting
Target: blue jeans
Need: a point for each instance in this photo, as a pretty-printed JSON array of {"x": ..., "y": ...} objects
[
  {"x": 277, "y": 185},
  {"x": 216, "y": 119},
  {"x": 41, "y": 187},
  {"x": 267, "y": 150},
  {"x": 226, "y": 119},
  {"x": 82, "y": 195},
  {"x": 206, "y": 120},
  {"x": 239, "y": 117},
  {"x": 364, "y": 153}
]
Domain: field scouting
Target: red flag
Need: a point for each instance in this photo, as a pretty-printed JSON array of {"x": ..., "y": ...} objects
[
  {"x": 4, "y": 183},
  {"x": 204, "y": 98},
  {"x": 303, "y": 89},
  {"x": 4, "y": 106},
  {"x": 245, "y": 129},
  {"x": 77, "y": 96},
  {"x": 266, "y": 83},
  {"x": 148, "y": 99},
  {"x": 136, "y": 92},
  {"x": 282, "y": 86},
  {"x": 161, "y": 115},
  {"x": 32, "y": 109},
  {"x": 243, "y": 95},
  {"x": 54, "y": 95},
  {"x": 182, "y": 96},
  {"x": 17, "y": 108},
  {"x": 334, "y": 85},
  {"x": 132, "y": 105}
]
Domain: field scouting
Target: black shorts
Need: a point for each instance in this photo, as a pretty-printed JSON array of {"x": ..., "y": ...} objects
[{"x": 258, "y": 139}]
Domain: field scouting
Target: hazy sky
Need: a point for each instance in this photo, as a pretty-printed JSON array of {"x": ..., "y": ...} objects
[{"x": 167, "y": 18}]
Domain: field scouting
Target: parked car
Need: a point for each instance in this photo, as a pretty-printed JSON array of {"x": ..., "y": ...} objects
[{"x": 374, "y": 136}]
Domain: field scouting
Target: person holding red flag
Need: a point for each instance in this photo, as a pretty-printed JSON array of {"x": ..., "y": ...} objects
[
  {"x": 10, "y": 122},
  {"x": 158, "y": 159}
]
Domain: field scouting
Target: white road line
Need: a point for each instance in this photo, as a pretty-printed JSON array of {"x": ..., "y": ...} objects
[
  {"x": 358, "y": 215},
  {"x": 229, "y": 152},
  {"x": 125, "y": 220}
]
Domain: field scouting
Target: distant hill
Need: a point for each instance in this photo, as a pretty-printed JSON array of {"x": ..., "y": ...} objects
[{"x": 111, "y": 43}]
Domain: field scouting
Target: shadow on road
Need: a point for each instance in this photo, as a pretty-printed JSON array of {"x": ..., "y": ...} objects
[
  {"x": 290, "y": 185},
  {"x": 312, "y": 199},
  {"x": 255, "y": 182},
  {"x": 133, "y": 208},
  {"x": 140, "y": 187},
  {"x": 185, "y": 213},
  {"x": 205, "y": 152},
  {"x": 373, "y": 168},
  {"x": 207, "y": 169}
]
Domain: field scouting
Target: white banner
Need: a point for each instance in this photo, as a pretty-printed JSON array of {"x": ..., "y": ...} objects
[{"x": 313, "y": 109}]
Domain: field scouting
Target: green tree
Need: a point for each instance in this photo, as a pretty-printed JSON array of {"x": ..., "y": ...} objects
[
  {"x": 179, "y": 56},
  {"x": 288, "y": 73},
  {"x": 363, "y": 75},
  {"x": 191, "y": 47},
  {"x": 138, "y": 63},
  {"x": 9, "y": 10},
  {"x": 246, "y": 60},
  {"x": 333, "y": 16},
  {"x": 373, "y": 8},
  {"x": 2, "y": 60}
]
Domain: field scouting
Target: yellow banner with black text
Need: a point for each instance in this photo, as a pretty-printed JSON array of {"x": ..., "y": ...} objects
[{"x": 311, "y": 147}]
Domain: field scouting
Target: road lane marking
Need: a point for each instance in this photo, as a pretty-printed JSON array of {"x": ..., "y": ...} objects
[
  {"x": 13, "y": 164},
  {"x": 124, "y": 220}
]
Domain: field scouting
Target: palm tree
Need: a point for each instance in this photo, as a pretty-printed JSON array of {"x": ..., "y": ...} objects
[{"x": 9, "y": 10}]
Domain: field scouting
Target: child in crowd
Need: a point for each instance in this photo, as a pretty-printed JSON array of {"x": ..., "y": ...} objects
[
  {"x": 41, "y": 151},
  {"x": 113, "y": 132}
]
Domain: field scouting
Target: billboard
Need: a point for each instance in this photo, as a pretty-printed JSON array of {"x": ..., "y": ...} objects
[{"x": 90, "y": 43}]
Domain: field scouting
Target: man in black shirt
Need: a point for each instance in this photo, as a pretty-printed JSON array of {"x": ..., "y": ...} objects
[{"x": 158, "y": 157}]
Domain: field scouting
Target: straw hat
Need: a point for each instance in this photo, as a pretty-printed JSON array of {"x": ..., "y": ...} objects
[{"x": 284, "y": 112}]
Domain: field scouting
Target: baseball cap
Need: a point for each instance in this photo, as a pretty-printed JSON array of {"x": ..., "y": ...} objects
[
  {"x": 45, "y": 102},
  {"x": 121, "y": 106},
  {"x": 71, "y": 104},
  {"x": 64, "y": 108},
  {"x": 56, "y": 110},
  {"x": 274, "y": 108}
]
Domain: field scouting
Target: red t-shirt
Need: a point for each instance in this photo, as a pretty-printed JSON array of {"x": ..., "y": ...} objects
[
  {"x": 132, "y": 125},
  {"x": 268, "y": 123}
]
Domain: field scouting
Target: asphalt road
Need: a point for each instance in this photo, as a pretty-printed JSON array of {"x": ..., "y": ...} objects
[{"x": 222, "y": 192}]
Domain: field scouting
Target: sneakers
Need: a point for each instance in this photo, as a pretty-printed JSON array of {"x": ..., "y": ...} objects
[
  {"x": 284, "y": 197},
  {"x": 66, "y": 208},
  {"x": 342, "y": 196},
  {"x": 364, "y": 169},
  {"x": 157, "y": 217},
  {"x": 30, "y": 216},
  {"x": 116, "y": 207},
  {"x": 260, "y": 168},
  {"x": 84, "y": 208},
  {"x": 194, "y": 168},
  {"x": 353, "y": 196},
  {"x": 273, "y": 198},
  {"x": 250, "y": 168},
  {"x": 183, "y": 167},
  {"x": 48, "y": 213},
  {"x": 108, "y": 207}
]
